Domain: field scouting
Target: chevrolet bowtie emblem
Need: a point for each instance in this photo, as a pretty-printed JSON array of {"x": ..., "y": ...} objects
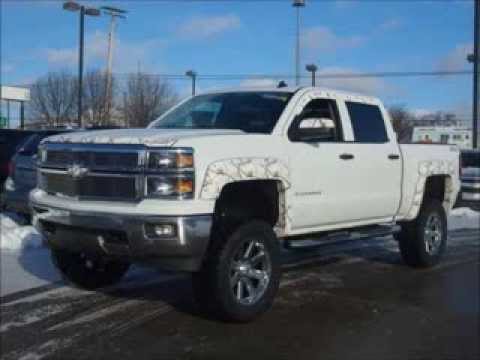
[{"x": 77, "y": 172}]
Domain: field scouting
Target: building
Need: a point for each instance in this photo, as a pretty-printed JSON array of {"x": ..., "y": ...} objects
[
  {"x": 12, "y": 99},
  {"x": 461, "y": 136}
]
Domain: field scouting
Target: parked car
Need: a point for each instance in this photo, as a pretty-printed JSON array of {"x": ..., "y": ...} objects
[
  {"x": 10, "y": 140},
  {"x": 470, "y": 194},
  {"x": 213, "y": 184},
  {"x": 22, "y": 177}
]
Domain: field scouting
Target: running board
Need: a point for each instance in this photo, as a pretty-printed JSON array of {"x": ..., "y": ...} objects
[{"x": 315, "y": 241}]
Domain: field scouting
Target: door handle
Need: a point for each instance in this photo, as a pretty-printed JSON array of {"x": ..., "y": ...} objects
[
  {"x": 394, "y": 157},
  {"x": 346, "y": 156}
]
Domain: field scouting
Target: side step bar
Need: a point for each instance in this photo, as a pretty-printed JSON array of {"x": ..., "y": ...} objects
[{"x": 320, "y": 240}]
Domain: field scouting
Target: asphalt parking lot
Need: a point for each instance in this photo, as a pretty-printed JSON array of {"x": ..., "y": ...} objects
[{"x": 341, "y": 301}]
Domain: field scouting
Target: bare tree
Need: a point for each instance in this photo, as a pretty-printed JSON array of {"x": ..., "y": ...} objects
[
  {"x": 145, "y": 98},
  {"x": 403, "y": 122},
  {"x": 53, "y": 99},
  {"x": 99, "y": 100}
]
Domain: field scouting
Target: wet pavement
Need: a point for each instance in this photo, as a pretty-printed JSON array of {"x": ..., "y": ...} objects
[{"x": 342, "y": 301}]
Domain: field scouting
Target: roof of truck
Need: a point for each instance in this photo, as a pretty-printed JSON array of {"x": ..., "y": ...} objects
[{"x": 293, "y": 89}]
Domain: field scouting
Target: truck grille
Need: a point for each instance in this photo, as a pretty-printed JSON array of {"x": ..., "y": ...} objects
[
  {"x": 98, "y": 159},
  {"x": 105, "y": 172},
  {"x": 93, "y": 186}
]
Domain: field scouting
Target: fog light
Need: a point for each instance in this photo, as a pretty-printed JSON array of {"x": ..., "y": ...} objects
[{"x": 160, "y": 230}]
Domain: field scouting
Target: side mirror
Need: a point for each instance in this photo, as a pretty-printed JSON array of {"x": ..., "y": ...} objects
[{"x": 313, "y": 130}]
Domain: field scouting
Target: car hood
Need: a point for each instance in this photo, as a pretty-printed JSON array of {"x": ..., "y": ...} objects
[{"x": 149, "y": 137}]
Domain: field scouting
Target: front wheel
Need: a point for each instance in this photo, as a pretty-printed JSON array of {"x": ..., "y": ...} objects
[
  {"x": 241, "y": 274},
  {"x": 423, "y": 241},
  {"x": 86, "y": 271}
]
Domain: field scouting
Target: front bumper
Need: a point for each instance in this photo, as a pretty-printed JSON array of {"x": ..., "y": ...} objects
[{"x": 124, "y": 236}]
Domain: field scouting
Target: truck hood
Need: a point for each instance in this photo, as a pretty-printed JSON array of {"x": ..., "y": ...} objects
[{"x": 149, "y": 137}]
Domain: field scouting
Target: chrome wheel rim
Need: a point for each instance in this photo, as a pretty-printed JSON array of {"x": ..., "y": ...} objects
[
  {"x": 433, "y": 234},
  {"x": 250, "y": 272}
]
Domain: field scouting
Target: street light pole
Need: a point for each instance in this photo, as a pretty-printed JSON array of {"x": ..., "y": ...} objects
[
  {"x": 312, "y": 68},
  {"x": 193, "y": 75},
  {"x": 73, "y": 6},
  {"x": 297, "y": 4}
]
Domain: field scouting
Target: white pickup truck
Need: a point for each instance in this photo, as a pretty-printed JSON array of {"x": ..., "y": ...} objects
[{"x": 214, "y": 184}]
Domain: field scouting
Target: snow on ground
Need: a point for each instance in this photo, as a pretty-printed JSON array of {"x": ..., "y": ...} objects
[
  {"x": 464, "y": 218},
  {"x": 25, "y": 262}
]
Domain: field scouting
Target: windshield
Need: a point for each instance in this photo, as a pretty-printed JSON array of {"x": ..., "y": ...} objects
[{"x": 252, "y": 112}]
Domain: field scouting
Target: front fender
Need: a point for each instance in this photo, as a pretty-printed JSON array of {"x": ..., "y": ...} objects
[{"x": 222, "y": 172}]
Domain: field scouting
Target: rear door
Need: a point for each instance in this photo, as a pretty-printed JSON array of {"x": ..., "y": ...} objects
[{"x": 376, "y": 166}]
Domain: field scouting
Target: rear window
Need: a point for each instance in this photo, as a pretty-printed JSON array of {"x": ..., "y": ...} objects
[
  {"x": 367, "y": 123},
  {"x": 470, "y": 159},
  {"x": 30, "y": 146}
]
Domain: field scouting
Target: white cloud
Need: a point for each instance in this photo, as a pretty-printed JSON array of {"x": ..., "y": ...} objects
[
  {"x": 208, "y": 26},
  {"x": 322, "y": 38},
  {"x": 456, "y": 59},
  {"x": 391, "y": 24},
  {"x": 126, "y": 57},
  {"x": 260, "y": 83},
  {"x": 365, "y": 85}
]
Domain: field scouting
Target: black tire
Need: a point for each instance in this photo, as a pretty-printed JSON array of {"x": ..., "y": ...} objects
[
  {"x": 415, "y": 248},
  {"x": 88, "y": 272},
  {"x": 212, "y": 284}
]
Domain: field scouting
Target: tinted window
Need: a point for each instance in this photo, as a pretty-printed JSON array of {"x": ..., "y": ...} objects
[
  {"x": 252, "y": 112},
  {"x": 470, "y": 158},
  {"x": 324, "y": 108},
  {"x": 367, "y": 123},
  {"x": 30, "y": 146}
]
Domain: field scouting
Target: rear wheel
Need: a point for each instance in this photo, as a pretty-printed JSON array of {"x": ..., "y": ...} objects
[
  {"x": 423, "y": 241},
  {"x": 241, "y": 274},
  {"x": 87, "y": 271}
]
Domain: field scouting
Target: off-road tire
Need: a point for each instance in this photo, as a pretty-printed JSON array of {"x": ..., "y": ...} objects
[
  {"x": 74, "y": 269},
  {"x": 212, "y": 284},
  {"x": 412, "y": 238}
]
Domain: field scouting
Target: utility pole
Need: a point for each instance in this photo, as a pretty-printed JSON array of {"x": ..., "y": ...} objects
[
  {"x": 114, "y": 14},
  {"x": 297, "y": 4},
  {"x": 476, "y": 80}
]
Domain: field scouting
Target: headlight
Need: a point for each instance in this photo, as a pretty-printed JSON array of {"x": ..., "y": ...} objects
[
  {"x": 9, "y": 184},
  {"x": 170, "y": 186},
  {"x": 170, "y": 159}
]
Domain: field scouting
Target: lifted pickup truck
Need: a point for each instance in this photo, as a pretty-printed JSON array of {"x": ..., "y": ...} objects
[{"x": 213, "y": 184}]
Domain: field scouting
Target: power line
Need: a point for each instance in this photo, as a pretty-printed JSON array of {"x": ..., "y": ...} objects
[{"x": 320, "y": 76}]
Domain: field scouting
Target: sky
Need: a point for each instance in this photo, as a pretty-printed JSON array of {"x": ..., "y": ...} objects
[{"x": 257, "y": 37}]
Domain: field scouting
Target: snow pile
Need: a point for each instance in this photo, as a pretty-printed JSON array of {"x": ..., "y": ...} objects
[
  {"x": 15, "y": 237},
  {"x": 463, "y": 218}
]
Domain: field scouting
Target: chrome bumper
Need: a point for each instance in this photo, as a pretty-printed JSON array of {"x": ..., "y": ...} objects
[{"x": 124, "y": 236}]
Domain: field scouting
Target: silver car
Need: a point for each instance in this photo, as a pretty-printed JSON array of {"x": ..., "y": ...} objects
[
  {"x": 470, "y": 194},
  {"x": 23, "y": 174}
]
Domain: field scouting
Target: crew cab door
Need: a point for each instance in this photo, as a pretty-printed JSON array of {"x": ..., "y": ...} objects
[
  {"x": 377, "y": 164},
  {"x": 351, "y": 179},
  {"x": 321, "y": 180}
]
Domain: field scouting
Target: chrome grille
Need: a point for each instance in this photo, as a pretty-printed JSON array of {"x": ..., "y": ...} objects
[{"x": 98, "y": 157}]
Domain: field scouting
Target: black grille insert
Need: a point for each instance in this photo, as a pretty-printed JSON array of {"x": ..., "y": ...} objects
[{"x": 91, "y": 186}]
